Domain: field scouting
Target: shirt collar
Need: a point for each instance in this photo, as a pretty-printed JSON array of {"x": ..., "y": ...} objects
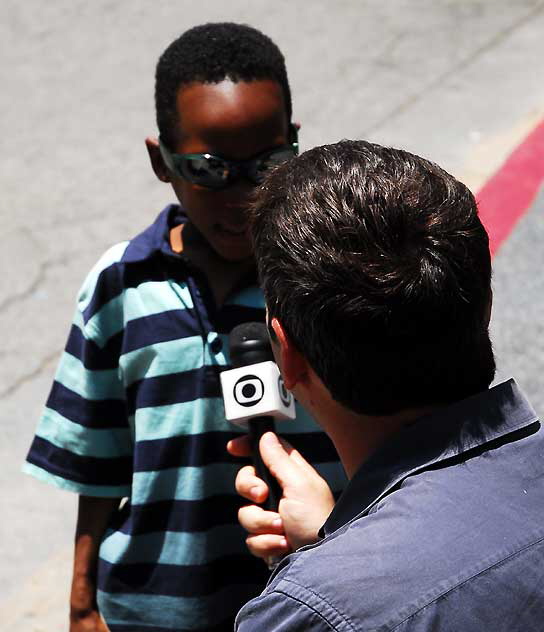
[
  {"x": 156, "y": 238},
  {"x": 434, "y": 438}
]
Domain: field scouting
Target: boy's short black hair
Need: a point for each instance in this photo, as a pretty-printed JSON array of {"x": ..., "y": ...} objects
[
  {"x": 211, "y": 53},
  {"x": 377, "y": 265}
]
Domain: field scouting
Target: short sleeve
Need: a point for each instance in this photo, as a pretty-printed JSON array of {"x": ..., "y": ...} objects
[{"x": 83, "y": 441}]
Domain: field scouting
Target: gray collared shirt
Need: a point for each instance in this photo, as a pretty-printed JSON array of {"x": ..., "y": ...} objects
[{"x": 442, "y": 529}]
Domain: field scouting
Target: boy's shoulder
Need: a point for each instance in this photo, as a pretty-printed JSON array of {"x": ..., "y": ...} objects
[{"x": 108, "y": 276}]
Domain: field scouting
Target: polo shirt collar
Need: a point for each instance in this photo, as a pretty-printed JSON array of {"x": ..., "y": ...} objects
[
  {"x": 156, "y": 237},
  {"x": 430, "y": 441}
]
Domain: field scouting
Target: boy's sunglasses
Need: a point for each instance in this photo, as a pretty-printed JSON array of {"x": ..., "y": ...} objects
[{"x": 214, "y": 172}]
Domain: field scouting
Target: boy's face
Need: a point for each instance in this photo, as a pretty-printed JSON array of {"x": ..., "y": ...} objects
[{"x": 236, "y": 121}]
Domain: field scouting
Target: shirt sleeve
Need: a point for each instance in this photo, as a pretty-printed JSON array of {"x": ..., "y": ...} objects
[
  {"x": 83, "y": 441},
  {"x": 279, "y": 612}
]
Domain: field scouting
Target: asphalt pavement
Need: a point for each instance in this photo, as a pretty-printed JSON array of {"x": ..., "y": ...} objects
[{"x": 460, "y": 82}]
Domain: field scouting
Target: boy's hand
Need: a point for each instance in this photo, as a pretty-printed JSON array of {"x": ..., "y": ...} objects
[
  {"x": 305, "y": 505},
  {"x": 90, "y": 622},
  {"x": 84, "y": 616},
  {"x": 93, "y": 516}
]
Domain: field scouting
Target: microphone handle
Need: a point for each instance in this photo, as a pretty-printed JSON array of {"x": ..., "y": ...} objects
[{"x": 257, "y": 427}]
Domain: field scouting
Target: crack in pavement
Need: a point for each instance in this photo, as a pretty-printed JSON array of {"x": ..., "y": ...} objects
[
  {"x": 42, "y": 273},
  {"x": 23, "y": 379},
  {"x": 435, "y": 83}
]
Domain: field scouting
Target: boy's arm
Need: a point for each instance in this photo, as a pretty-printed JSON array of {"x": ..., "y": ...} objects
[{"x": 92, "y": 520}]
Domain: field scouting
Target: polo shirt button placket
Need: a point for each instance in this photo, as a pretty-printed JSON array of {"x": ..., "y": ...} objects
[{"x": 216, "y": 345}]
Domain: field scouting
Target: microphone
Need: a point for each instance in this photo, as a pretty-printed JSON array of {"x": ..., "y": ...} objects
[{"x": 255, "y": 395}]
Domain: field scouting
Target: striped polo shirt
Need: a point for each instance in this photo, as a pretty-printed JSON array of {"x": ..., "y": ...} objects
[{"x": 135, "y": 412}]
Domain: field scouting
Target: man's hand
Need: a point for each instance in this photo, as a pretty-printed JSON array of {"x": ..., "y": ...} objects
[{"x": 305, "y": 505}]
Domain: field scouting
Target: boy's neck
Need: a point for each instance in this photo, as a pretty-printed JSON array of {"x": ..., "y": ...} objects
[{"x": 223, "y": 276}]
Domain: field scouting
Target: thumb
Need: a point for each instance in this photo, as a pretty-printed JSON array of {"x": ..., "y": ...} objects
[{"x": 276, "y": 458}]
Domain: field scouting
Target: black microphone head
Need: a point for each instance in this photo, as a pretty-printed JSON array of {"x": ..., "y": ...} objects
[{"x": 249, "y": 344}]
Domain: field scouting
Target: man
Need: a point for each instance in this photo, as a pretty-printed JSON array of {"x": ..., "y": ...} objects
[{"x": 376, "y": 272}]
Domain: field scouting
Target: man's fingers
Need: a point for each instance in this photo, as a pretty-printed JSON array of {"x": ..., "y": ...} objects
[
  {"x": 256, "y": 520},
  {"x": 250, "y": 486},
  {"x": 275, "y": 455},
  {"x": 239, "y": 446},
  {"x": 267, "y": 546}
]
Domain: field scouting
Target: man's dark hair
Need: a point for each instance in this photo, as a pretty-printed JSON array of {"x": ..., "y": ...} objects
[
  {"x": 211, "y": 53},
  {"x": 377, "y": 265}
]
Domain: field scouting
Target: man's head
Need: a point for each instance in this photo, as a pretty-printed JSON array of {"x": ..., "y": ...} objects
[
  {"x": 220, "y": 89},
  {"x": 377, "y": 266}
]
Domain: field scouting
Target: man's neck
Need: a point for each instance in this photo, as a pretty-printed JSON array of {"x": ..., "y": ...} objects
[{"x": 355, "y": 436}]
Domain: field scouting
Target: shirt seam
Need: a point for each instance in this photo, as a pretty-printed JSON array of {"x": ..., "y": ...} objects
[
  {"x": 320, "y": 598},
  {"x": 440, "y": 461},
  {"x": 468, "y": 579}
]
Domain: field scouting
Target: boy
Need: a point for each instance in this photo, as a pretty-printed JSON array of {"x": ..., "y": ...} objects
[{"x": 135, "y": 410}]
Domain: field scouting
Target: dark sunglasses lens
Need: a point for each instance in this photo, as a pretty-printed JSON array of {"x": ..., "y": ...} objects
[
  {"x": 206, "y": 171},
  {"x": 260, "y": 167}
]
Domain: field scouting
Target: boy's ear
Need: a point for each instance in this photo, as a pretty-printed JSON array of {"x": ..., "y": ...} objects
[
  {"x": 157, "y": 163},
  {"x": 294, "y": 367},
  {"x": 293, "y": 132}
]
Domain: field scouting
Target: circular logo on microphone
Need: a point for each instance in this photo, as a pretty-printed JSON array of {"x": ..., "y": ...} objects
[
  {"x": 248, "y": 390},
  {"x": 285, "y": 395}
]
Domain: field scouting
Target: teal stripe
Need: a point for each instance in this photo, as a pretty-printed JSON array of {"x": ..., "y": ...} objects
[
  {"x": 111, "y": 256},
  {"x": 150, "y": 297},
  {"x": 249, "y": 297},
  {"x": 173, "y": 420},
  {"x": 100, "y": 443},
  {"x": 171, "y": 612},
  {"x": 105, "y": 323},
  {"x": 184, "y": 483},
  {"x": 172, "y": 356},
  {"x": 153, "y": 297},
  {"x": 198, "y": 483},
  {"x": 108, "y": 491},
  {"x": 162, "y": 422},
  {"x": 173, "y": 548},
  {"x": 94, "y": 385}
]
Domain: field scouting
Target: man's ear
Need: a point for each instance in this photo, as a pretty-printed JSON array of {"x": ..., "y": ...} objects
[
  {"x": 294, "y": 367},
  {"x": 157, "y": 163}
]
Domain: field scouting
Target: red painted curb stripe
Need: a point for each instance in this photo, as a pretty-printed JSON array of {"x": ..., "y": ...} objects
[{"x": 508, "y": 194}]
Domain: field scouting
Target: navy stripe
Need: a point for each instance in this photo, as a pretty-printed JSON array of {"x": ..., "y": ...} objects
[
  {"x": 232, "y": 315},
  {"x": 315, "y": 447},
  {"x": 91, "y": 355},
  {"x": 194, "y": 450},
  {"x": 225, "y": 626},
  {"x": 186, "y": 516},
  {"x": 174, "y": 388},
  {"x": 117, "y": 277},
  {"x": 202, "y": 449},
  {"x": 81, "y": 469},
  {"x": 181, "y": 581},
  {"x": 103, "y": 413},
  {"x": 108, "y": 286},
  {"x": 182, "y": 323},
  {"x": 161, "y": 327}
]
